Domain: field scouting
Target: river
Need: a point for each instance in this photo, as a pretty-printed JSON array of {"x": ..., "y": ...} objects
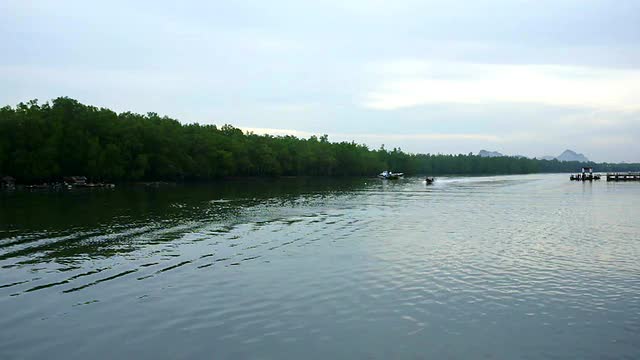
[{"x": 504, "y": 267}]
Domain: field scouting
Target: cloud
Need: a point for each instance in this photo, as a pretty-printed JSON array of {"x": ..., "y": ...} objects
[
  {"x": 277, "y": 132},
  {"x": 378, "y": 137},
  {"x": 606, "y": 141},
  {"x": 599, "y": 120},
  {"x": 520, "y": 77},
  {"x": 414, "y": 83},
  {"x": 427, "y": 136}
]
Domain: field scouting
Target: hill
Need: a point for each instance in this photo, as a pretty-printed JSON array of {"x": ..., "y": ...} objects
[
  {"x": 570, "y": 155},
  {"x": 485, "y": 153}
]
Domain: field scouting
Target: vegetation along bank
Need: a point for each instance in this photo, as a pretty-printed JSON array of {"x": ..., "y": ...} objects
[{"x": 46, "y": 142}]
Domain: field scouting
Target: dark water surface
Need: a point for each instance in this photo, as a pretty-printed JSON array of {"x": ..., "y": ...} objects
[{"x": 491, "y": 267}]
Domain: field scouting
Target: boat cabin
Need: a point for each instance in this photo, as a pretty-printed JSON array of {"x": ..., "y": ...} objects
[
  {"x": 390, "y": 175},
  {"x": 586, "y": 175}
]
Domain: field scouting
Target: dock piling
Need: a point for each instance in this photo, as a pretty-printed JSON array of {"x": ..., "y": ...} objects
[{"x": 628, "y": 176}]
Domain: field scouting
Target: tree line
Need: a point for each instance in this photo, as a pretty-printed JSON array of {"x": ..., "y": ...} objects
[{"x": 44, "y": 142}]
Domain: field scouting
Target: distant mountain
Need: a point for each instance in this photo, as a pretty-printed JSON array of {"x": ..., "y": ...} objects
[
  {"x": 485, "y": 153},
  {"x": 569, "y": 155}
]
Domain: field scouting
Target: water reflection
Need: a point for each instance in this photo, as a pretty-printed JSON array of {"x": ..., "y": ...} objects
[
  {"x": 104, "y": 222},
  {"x": 291, "y": 268}
]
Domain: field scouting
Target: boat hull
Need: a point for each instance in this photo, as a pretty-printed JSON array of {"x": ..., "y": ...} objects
[{"x": 391, "y": 176}]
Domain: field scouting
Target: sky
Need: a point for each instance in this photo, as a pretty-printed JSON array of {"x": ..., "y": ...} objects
[{"x": 521, "y": 77}]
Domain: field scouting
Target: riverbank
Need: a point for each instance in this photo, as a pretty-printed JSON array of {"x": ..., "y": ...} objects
[{"x": 44, "y": 142}]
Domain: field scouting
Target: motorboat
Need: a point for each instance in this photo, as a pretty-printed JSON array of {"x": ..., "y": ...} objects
[{"x": 388, "y": 175}]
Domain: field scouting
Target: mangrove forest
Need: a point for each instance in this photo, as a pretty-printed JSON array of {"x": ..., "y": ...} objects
[{"x": 44, "y": 142}]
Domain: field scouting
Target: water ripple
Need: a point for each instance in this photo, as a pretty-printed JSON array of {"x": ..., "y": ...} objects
[{"x": 505, "y": 267}]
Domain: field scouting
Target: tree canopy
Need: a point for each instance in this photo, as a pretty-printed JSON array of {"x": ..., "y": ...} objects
[{"x": 44, "y": 142}]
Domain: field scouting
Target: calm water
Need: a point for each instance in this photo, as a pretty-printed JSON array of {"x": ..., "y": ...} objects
[{"x": 488, "y": 267}]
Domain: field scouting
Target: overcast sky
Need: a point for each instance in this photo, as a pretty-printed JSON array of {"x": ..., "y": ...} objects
[{"x": 520, "y": 77}]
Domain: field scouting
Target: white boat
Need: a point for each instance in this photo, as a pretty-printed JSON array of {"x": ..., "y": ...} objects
[{"x": 388, "y": 175}]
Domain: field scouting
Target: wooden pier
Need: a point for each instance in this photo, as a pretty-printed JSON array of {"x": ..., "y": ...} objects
[{"x": 629, "y": 176}]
